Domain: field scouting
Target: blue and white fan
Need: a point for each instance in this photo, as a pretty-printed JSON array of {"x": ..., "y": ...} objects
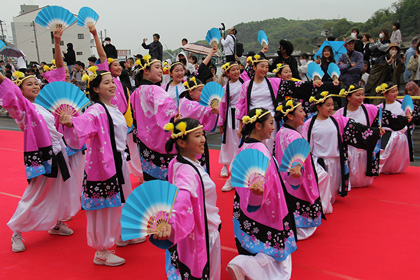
[
  {"x": 407, "y": 104},
  {"x": 296, "y": 153},
  {"x": 212, "y": 94},
  {"x": 2, "y": 45},
  {"x": 262, "y": 38},
  {"x": 53, "y": 17},
  {"x": 213, "y": 36},
  {"x": 249, "y": 168},
  {"x": 62, "y": 97},
  {"x": 314, "y": 71},
  {"x": 147, "y": 208},
  {"x": 333, "y": 70},
  {"x": 87, "y": 17}
]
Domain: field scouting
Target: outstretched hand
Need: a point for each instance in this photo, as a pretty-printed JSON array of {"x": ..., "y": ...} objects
[
  {"x": 295, "y": 172},
  {"x": 58, "y": 33},
  {"x": 92, "y": 30},
  {"x": 65, "y": 119}
]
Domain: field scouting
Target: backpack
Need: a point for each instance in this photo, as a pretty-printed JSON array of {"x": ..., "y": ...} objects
[{"x": 239, "y": 47}]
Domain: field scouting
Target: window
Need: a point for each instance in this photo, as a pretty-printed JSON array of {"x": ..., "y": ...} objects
[
  {"x": 79, "y": 53},
  {"x": 80, "y": 36},
  {"x": 52, "y": 37},
  {"x": 53, "y": 50}
]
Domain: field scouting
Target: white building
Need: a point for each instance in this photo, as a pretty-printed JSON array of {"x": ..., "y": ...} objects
[{"x": 37, "y": 42}]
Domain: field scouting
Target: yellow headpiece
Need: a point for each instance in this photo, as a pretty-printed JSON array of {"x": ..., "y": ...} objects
[
  {"x": 384, "y": 88},
  {"x": 147, "y": 62},
  {"x": 20, "y": 77},
  {"x": 258, "y": 114},
  {"x": 289, "y": 107},
  {"x": 351, "y": 89},
  {"x": 325, "y": 95},
  {"x": 229, "y": 65},
  {"x": 88, "y": 78},
  {"x": 257, "y": 58},
  {"x": 182, "y": 127},
  {"x": 187, "y": 84},
  {"x": 279, "y": 66}
]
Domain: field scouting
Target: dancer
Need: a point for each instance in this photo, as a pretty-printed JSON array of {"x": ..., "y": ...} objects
[
  {"x": 152, "y": 109},
  {"x": 175, "y": 87},
  {"x": 107, "y": 181},
  {"x": 227, "y": 122},
  {"x": 190, "y": 108},
  {"x": 195, "y": 223},
  {"x": 301, "y": 183},
  {"x": 264, "y": 227},
  {"x": 395, "y": 144},
  {"x": 47, "y": 198},
  {"x": 329, "y": 137}
]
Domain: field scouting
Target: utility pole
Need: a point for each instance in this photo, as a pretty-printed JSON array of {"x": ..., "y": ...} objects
[
  {"x": 2, "y": 32},
  {"x": 36, "y": 40}
]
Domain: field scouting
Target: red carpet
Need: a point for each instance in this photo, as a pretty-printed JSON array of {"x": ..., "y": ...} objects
[{"x": 374, "y": 233}]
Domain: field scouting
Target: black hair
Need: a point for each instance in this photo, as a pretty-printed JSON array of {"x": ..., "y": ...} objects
[
  {"x": 194, "y": 58},
  {"x": 397, "y": 25},
  {"x": 367, "y": 35},
  {"x": 235, "y": 31},
  {"x": 324, "y": 59},
  {"x": 107, "y": 39},
  {"x": 355, "y": 29},
  {"x": 191, "y": 123},
  {"x": 281, "y": 69},
  {"x": 131, "y": 59},
  {"x": 69, "y": 46},
  {"x": 94, "y": 84},
  {"x": 8, "y": 66},
  {"x": 185, "y": 39},
  {"x": 288, "y": 46},
  {"x": 386, "y": 34},
  {"x": 186, "y": 93},
  {"x": 78, "y": 63},
  {"x": 304, "y": 56},
  {"x": 356, "y": 88},
  {"x": 157, "y": 35},
  {"x": 313, "y": 108},
  {"x": 43, "y": 62},
  {"x": 92, "y": 59},
  {"x": 279, "y": 115},
  {"x": 249, "y": 127},
  {"x": 415, "y": 40},
  {"x": 139, "y": 75},
  {"x": 173, "y": 65}
]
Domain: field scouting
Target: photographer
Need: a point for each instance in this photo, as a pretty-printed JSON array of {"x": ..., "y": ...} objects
[{"x": 229, "y": 45}]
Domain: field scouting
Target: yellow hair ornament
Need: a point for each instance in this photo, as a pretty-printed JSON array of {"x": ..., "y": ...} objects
[
  {"x": 343, "y": 92},
  {"x": 280, "y": 108},
  {"x": 165, "y": 63},
  {"x": 289, "y": 103},
  {"x": 352, "y": 87},
  {"x": 312, "y": 99},
  {"x": 92, "y": 68},
  {"x": 185, "y": 84},
  {"x": 18, "y": 74},
  {"x": 324, "y": 93},
  {"x": 85, "y": 77},
  {"x": 384, "y": 86},
  {"x": 246, "y": 119},
  {"x": 20, "y": 77},
  {"x": 258, "y": 114},
  {"x": 53, "y": 62},
  {"x": 169, "y": 127},
  {"x": 193, "y": 80},
  {"x": 110, "y": 60},
  {"x": 249, "y": 59},
  {"x": 147, "y": 57},
  {"x": 295, "y": 80},
  {"x": 138, "y": 62},
  {"x": 257, "y": 56},
  {"x": 46, "y": 68},
  {"x": 182, "y": 127}
]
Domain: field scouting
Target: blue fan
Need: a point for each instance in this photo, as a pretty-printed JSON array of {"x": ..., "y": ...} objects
[
  {"x": 53, "y": 17},
  {"x": 249, "y": 168},
  {"x": 407, "y": 104},
  {"x": 213, "y": 36},
  {"x": 87, "y": 17},
  {"x": 315, "y": 72},
  {"x": 147, "y": 208},
  {"x": 262, "y": 38},
  {"x": 380, "y": 117},
  {"x": 2, "y": 45},
  {"x": 211, "y": 95},
  {"x": 296, "y": 153},
  {"x": 333, "y": 70},
  {"x": 62, "y": 97}
]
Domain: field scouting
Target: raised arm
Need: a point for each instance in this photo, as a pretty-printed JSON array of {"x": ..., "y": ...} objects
[
  {"x": 99, "y": 47},
  {"x": 59, "y": 62}
]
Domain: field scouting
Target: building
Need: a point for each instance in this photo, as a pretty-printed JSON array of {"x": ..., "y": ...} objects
[{"x": 37, "y": 42}]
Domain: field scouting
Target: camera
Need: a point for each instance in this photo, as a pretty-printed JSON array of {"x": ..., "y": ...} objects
[{"x": 223, "y": 27}]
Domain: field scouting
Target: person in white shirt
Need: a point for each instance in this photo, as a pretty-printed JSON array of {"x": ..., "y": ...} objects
[
  {"x": 229, "y": 45},
  {"x": 303, "y": 67}
]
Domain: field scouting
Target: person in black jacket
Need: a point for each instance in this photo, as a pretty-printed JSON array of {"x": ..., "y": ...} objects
[
  {"x": 70, "y": 57},
  {"x": 285, "y": 51},
  {"x": 155, "y": 48},
  {"x": 110, "y": 50}
]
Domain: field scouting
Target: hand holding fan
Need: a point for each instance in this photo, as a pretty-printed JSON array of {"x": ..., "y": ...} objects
[
  {"x": 147, "y": 209},
  {"x": 211, "y": 95},
  {"x": 407, "y": 105},
  {"x": 87, "y": 17},
  {"x": 62, "y": 97},
  {"x": 262, "y": 38},
  {"x": 213, "y": 36},
  {"x": 333, "y": 71},
  {"x": 315, "y": 72},
  {"x": 249, "y": 169},
  {"x": 53, "y": 17},
  {"x": 296, "y": 153}
]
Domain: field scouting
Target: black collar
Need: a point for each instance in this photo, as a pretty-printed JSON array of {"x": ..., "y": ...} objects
[
  {"x": 146, "y": 82},
  {"x": 251, "y": 140}
]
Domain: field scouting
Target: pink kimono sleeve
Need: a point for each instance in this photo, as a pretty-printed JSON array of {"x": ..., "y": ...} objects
[
  {"x": 222, "y": 110},
  {"x": 241, "y": 106},
  {"x": 55, "y": 75},
  {"x": 192, "y": 109}
]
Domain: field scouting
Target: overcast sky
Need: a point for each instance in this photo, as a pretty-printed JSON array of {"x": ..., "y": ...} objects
[{"x": 127, "y": 22}]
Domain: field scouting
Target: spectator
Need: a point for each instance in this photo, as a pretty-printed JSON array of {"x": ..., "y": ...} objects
[
  {"x": 365, "y": 74},
  {"x": 396, "y": 36},
  {"x": 408, "y": 54},
  {"x": 78, "y": 71},
  {"x": 70, "y": 57},
  {"x": 303, "y": 68},
  {"x": 379, "y": 48},
  {"x": 129, "y": 66},
  {"x": 350, "y": 64},
  {"x": 285, "y": 51},
  {"x": 189, "y": 68},
  {"x": 92, "y": 61},
  {"x": 326, "y": 58},
  {"x": 366, "y": 51},
  {"x": 229, "y": 45},
  {"x": 358, "y": 44},
  {"x": 184, "y": 41},
  {"x": 2, "y": 68},
  {"x": 193, "y": 60},
  {"x": 110, "y": 50},
  {"x": 155, "y": 48}
]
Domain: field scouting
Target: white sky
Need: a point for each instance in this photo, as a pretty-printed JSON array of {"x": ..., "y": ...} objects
[{"x": 127, "y": 22}]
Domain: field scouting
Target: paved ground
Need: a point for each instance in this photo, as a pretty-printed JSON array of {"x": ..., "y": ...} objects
[{"x": 214, "y": 139}]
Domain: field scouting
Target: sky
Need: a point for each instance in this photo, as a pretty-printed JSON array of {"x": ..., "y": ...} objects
[{"x": 127, "y": 22}]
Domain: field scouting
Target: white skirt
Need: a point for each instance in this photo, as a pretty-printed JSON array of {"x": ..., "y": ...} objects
[
  {"x": 103, "y": 225},
  {"x": 357, "y": 166},
  {"x": 229, "y": 150},
  {"x": 45, "y": 202},
  {"x": 333, "y": 167},
  {"x": 395, "y": 158},
  {"x": 324, "y": 187},
  {"x": 134, "y": 165},
  {"x": 263, "y": 266},
  {"x": 77, "y": 164}
]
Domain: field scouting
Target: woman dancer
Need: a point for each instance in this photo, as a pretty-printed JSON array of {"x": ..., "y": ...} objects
[{"x": 175, "y": 87}]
